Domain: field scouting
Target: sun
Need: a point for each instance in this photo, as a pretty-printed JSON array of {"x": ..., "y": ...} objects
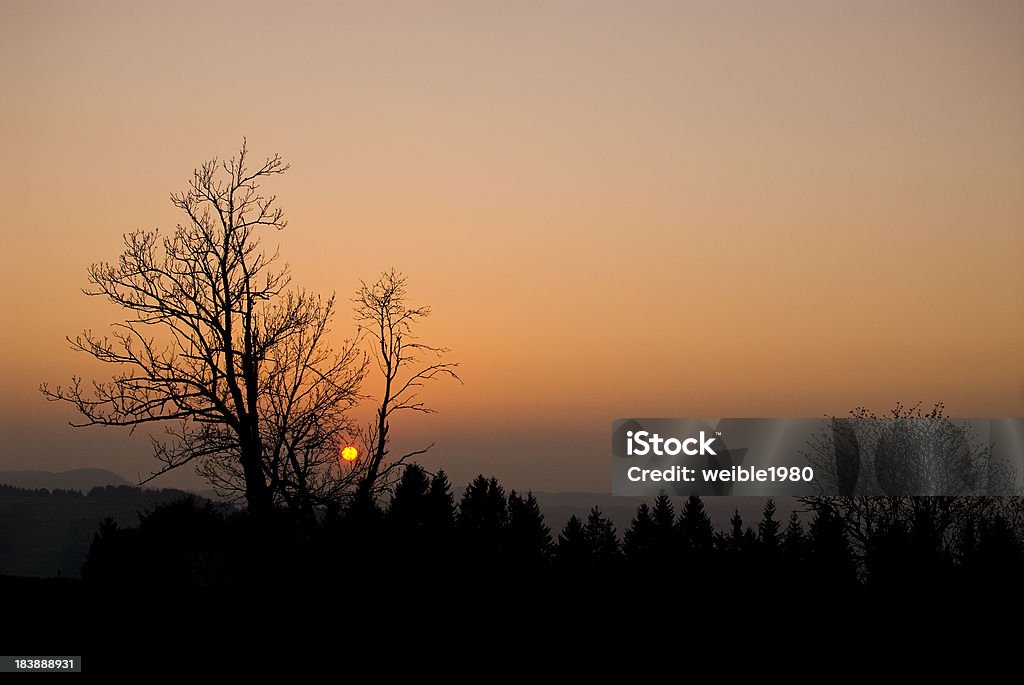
[{"x": 349, "y": 454}]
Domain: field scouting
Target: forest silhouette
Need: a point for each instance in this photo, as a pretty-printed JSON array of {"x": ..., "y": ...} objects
[
  {"x": 491, "y": 538},
  {"x": 423, "y": 574}
]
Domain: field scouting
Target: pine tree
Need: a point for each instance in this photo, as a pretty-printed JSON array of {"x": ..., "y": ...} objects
[
  {"x": 831, "y": 556},
  {"x": 496, "y": 502},
  {"x": 639, "y": 537},
  {"x": 528, "y": 539},
  {"x": 794, "y": 540},
  {"x": 696, "y": 530},
  {"x": 663, "y": 514},
  {"x": 665, "y": 541},
  {"x": 409, "y": 502},
  {"x": 768, "y": 528},
  {"x": 738, "y": 540},
  {"x": 572, "y": 554},
  {"x": 736, "y": 534},
  {"x": 439, "y": 509},
  {"x": 723, "y": 543},
  {"x": 599, "y": 534},
  {"x": 483, "y": 512}
]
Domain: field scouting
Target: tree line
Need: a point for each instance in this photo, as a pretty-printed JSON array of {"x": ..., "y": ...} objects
[{"x": 914, "y": 550}]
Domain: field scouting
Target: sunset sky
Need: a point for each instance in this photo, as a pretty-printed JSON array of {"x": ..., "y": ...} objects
[{"x": 668, "y": 209}]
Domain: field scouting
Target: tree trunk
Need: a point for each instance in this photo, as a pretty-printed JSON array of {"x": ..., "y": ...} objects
[{"x": 257, "y": 494}]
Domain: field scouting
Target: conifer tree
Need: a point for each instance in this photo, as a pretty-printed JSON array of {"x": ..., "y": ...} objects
[
  {"x": 736, "y": 531},
  {"x": 483, "y": 512},
  {"x": 832, "y": 559},
  {"x": 572, "y": 553},
  {"x": 665, "y": 542},
  {"x": 527, "y": 537},
  {"x": 696, "y": 530},
  {"x": 599, "y": 534},
  {"x": 638, "y": 538},
  {"x": 439, "y": 511},
  {"x": 409, "y": 502},
  {"x": 794, "y": 540},
  {"x": 768, "y": 528}
]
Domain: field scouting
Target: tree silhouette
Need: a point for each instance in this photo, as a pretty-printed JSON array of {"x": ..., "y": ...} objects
[
  {"x": 768, "y": 528},
  {"x": 663, "y": 515},
  {"x": 936, "y": 522},
  {"x": 738, "y": 541},
  {"x": 794, "y": 541},
  {"x": 384, "y": 313},
  {"x": 906, "y": 452},
  {"x": 600, "y": 538},
  {"x": 664, "y": 541},
  {"x": 528, "y": 539},
  {"x": 106, "y": 561},
  {"x": 177, "y": 545},
  {"x": 483, "y": 514},
  {"x": 997, "y": 562},
  {"x": 786, "y": 564},
  {"x": 418, "y": 525},
  {"x": 638, "y": 539},
  {"x": 572, "y": 553},
  {"x": 696, "y": 531},
  {"x": 217, "y": 347},
  {"x": 408, "y": 507},
  {"x": 831, "y": 559},
  {"x": 439, "y": 510},
  {"x": 911, "y": 558}
]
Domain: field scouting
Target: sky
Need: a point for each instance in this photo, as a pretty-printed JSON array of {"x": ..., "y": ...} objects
[{"x": 672, "y": 209}]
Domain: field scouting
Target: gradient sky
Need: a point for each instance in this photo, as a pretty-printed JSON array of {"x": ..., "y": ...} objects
[{"x": 614, "y": 209}]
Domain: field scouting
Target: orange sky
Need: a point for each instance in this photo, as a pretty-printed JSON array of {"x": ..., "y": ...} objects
[{"x": 614, "y": 209}]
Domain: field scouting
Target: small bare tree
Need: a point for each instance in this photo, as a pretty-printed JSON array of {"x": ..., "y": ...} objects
[
  {"x": 216, "y": 346},
  {"x": 384, "y": 314}
]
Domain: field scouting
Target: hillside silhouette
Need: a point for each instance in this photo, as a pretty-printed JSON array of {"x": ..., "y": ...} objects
[
  {"x": 47, "y": 533},
  {"x": 83, "y": 480}
]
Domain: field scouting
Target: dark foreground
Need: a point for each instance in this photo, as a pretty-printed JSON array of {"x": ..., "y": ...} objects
[{"x": 426, "y": 585}]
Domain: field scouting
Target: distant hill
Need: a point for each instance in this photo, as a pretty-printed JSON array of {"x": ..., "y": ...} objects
[{"x": 82, "y": 480}]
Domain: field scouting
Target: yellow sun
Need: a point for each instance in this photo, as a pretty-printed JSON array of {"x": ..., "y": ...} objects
[{"x": 349, "y": 453}]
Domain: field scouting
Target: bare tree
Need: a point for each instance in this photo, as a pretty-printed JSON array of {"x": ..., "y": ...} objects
[
  {"x": 940, "y": 520},
  {"x": 217, "y": 347},
  {"x": 912, "y": 468},
  {"x": 906, "y": 452},
  {"x": 384, "y": 314}
]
